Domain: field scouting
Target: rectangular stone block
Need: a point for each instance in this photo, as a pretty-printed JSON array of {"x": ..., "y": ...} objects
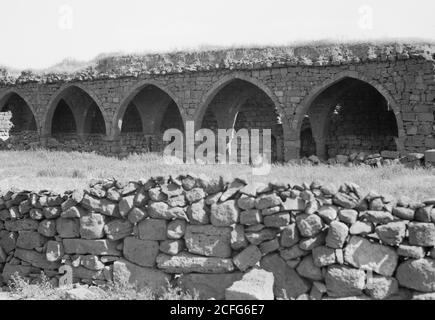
[{"x": 97, "y": 247}]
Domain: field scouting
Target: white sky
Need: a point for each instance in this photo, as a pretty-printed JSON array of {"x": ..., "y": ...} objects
[{"x": 37, "y": 34}]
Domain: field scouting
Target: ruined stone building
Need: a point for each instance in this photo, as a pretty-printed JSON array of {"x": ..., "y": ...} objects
[{"x": 324, "y": 100}]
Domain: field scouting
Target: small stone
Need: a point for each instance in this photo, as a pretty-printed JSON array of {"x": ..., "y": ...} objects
[
  {"x": 348, "y": 216},
  {"x": 232, "y": 189},
  {"x": 391, "y": 233},
  {"x": 313, "y": 242},
  {"x": 265, "y": 234},
  {"x": 296, "y": 204},
  {"x": 197, "y": 213},
  {"x": 308, "y": 269},
  {"x": 343, "y": 200},
  {"x": 125, "y": 205},
  {"x": 361, "y": 228},
  {"x": 195, "y": 195},
  {"x": 246, "y": 203},
  {"x": 237, "y": 238},
  {"x": 176, "y": 229},
  {"x": 414, "y": 252},
  {"x": 421, "y": 234},
  {"x": 91, "y": 262},
  {"x": 224, "y": 214},
  {"x": 250, "y": 217},
  {"x": 277, "y": 220},
  {"x": 337, "y": 234},
  {"x": 172, "y": 247},
  {"x": 54, "y": 251},
  {"x": 328, "y": 213},
  {"x": 247, "y": 258},
  {"x": 379, "y": 217},
  {"x": 403, "y": 213},
  {"x": 269, "y": 246},
  {"x": 323, "y": 256},
  {"x": 47, "y": 228},
  {"x": 292, "y": 253},
  {"x": 136, "y": 215},
  {"x": 92, "y": 226},
  {"x": 309, "y": 225},
  {"x": 118, "y": 229},
  {"x": 267, "y": 201},
  {"x": 289, "y": 235}
]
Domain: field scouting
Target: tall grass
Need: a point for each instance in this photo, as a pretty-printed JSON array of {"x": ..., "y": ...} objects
[{"x": 59, "y": 171}]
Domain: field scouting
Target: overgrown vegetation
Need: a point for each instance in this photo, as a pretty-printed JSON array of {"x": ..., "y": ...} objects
[
  {"x": 60, "y": 171},
  {"x": 44, "y": 289}
]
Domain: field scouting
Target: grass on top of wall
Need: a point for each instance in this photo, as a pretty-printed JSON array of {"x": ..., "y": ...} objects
[{"x": 60, "y": 171}]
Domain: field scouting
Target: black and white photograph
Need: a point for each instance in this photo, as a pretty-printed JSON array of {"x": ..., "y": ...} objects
[{"x": 213, "y": 156}]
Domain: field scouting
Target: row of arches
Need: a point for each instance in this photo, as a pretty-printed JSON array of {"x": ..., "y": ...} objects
[{"x": 348, "y": 114}]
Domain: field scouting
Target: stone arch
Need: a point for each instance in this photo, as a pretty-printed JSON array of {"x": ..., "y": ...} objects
[
  {"x": 225, "y": 80},
  {"x": 80, "y": 113},
  {"x": 29, "y": 116},
  {"x": 132, "y": 94},
  {"x": 238, "y": 95},
  {"x": 307, "y": 102}
]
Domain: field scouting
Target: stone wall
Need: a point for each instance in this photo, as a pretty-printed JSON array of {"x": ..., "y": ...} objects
[
  {"x": 225, "y": 238},
  {"x": 405, "y": 81}
]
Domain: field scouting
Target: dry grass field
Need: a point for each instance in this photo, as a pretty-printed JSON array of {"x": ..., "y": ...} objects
[{"x": 60, "y": 171}]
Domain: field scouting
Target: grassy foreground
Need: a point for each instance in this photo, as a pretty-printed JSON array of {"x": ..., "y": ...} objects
[{"x": 60, "y": 171}]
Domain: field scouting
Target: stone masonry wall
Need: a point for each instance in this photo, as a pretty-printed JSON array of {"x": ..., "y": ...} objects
[
  {"x": 406, "y": 82},
  {"x": 225, "y": 238}
]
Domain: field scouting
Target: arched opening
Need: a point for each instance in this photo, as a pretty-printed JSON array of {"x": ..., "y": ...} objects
[
  {"x": 94, "y": 121},
  {"x": 16, "y": 116},
  {"x": 17, "y": 121},
  {"x": 350, "y": 116},
  {"x": 144, "y": 117},
  {"x": 239, "y": 104},
  {"x": 308, "y": 145},
  {"x": 63, "y": 121},
  {"x": 75, "y": 119}
]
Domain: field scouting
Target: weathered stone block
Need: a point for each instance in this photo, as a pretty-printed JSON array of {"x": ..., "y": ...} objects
[
  {"x": 141, "y": 252},
  {"x": 208, "y": 240}
]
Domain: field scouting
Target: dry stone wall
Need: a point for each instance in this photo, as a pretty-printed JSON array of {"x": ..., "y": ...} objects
[{"x": 224, "y": 238}]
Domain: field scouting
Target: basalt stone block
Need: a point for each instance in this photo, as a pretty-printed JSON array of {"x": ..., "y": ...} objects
[
  {"x": 36, "y": 259},
  {"x": 102, "y": 206},
  {"x": 21, "y": 225},
  {"x": 198, "y": 213},
  {"x": 176, "y": 229},
  {"x": 289, "y": 235},
  {"x": 125, "y": 205},
  {"x": 30, "y": 240},
  {"x": 186, "y": 263},
  {"x": 277, "y": 220},
  {"x": 309, "y": 225},
  {"x": 392, "y": 233},
  {"x": 309, "y": 270},
  {"x": 247, "y": 258},
  {"x": 136, "y": 215},
  {"x": 256, "y": 284},
  {"x": 224, "y": 214},
  {"x": 208, "y": 240},
  {"x": 141, "y": 277},
  {"x": 97, "y": 247},
  {"x": 208, "y": 285},
  {"x": 92, "y": 226},
  {"x": 267, "y": 201},
  {"x": 361, "y": 253},
  {"x": 237, "y": 238},
  {"x": 337, "y": 234},
  {"x": 141, "y": 252},
  {"x": 422, "y": 234},
  {"x": 152, "y": 229},
  {"x": 68, "y": 228},
  {"x": 172, "y": 247},
  {"x": 118, "y": 229},
  {"x": 288, "y": 284},
  {"x": 417, "y": 274},
  {"x": 250, "y": 217},
  {"x": 342, "y": 281}
]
